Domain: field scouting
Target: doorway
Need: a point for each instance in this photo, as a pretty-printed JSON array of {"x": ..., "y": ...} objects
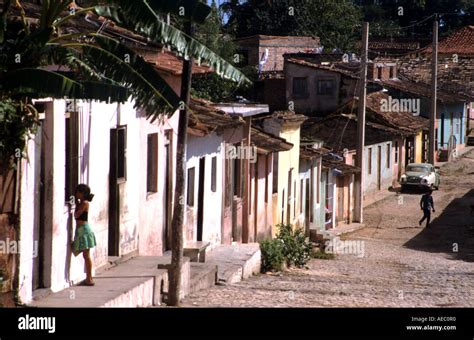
[
  {"x": 308, "y": 207},
  {"x": 200, "y": 207},
  {"x": 39, "y": 231},
  {"x": 167, "y": 193},
  {"x": 340, "y": 199},
  {"x": 114, "y": 216}
]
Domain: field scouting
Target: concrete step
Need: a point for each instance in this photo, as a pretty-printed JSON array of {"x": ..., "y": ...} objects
[
  {"x": 235, "y": 262},
  {"x": 203, "y": 276}
]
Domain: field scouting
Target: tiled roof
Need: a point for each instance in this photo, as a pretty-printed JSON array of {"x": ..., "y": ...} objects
[
  {"x": 404, "y": 121},
  {"x": 346, "y": 169},
  {"x": 168, "y": 62},
  {"x": 307, "y": 152},
  {"x": 348, "y": 69},
  {"x": 204, "y": 118},
  {"x": 288, "y": 116},
  {"x": 421, "y": 89},
  {"x": 394, "y": 45},
  {"x": 339, "y": 132},
  {"x": 460, "y": 42},
  {"x": 162, "y": 59},
  {"x": 268, "y": 141}
]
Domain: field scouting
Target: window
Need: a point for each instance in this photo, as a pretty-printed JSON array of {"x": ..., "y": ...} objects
[
  {"x": 392, "y": 72},
  {"x": 190, "y": 190},
  {"x": 300, "y": 87},
  {"x": 275, "y": 173},
  {"x": 152, "y": 163},
  {"x": 369, "y": 162},
  {"x": 396, "y": 152},
  {"x": 213, "y": 173},
  {"x": 325, "y": 87},
  {"x": 237, "y": 178},
  {"x": 389, "y": 155},
  {"x": 354, "y": 160},
  {"x": 379, "y": 72},
  {"x": 122, "y": 152}
]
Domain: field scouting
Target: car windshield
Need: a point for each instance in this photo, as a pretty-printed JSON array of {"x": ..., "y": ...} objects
[{"x": 417, "y": 168}]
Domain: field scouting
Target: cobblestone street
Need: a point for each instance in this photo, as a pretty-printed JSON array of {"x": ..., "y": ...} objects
[{"x": 404, "y": 265}]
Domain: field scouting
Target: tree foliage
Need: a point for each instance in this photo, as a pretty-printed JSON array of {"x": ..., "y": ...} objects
[
  {"x": 335, "y": 22},
  {"x": 391, "y": 15}
]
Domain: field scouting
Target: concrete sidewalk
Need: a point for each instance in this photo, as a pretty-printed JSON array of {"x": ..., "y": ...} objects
[
  {"x": 142, "y": 281},
  {"x": 136, "y": 282}
]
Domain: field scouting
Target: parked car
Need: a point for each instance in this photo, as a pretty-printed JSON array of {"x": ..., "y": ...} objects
[{"x": 421, "y": 175}]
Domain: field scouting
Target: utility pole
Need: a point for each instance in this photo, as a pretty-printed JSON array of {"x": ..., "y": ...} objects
[
  {"x": 178, "y": 205},
  {"x": 434, "y": 85},
  {"x": 360, "y": 162}
]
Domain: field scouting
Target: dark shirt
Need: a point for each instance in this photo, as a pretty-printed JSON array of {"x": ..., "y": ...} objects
[
  {"x": 426, "y": 202},
  {"x": 83, "y": 216}
]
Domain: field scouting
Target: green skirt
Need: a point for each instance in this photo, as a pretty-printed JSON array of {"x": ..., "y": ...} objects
[{"x": 84, "y": 239}]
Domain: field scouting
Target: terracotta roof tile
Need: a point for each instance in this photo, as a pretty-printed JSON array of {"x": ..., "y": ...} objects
[
  {"x": 460, "y": 42},
  {"x": 348, "y": 69},
  {"x": 421, "y": 89}
]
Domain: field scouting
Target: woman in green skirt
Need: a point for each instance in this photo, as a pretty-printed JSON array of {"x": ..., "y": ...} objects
[{"x": 84, "y": 238}]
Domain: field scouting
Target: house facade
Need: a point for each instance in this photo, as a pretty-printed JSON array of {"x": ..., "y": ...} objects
[{"x": 285, "y": 190}]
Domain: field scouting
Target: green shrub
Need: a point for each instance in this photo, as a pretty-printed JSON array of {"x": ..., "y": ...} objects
[
  {"x": 272, "y": 255},
  {"x": 296, "y": 248}
]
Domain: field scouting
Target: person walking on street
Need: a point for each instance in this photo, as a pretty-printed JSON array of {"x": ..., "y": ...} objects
[{"x": 426, "y": 204}]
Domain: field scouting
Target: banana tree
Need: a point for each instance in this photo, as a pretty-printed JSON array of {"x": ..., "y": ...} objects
[{"x": 91, "y": 65}]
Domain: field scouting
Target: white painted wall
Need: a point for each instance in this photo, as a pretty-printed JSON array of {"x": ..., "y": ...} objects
[{"x": 208, "y": 146}]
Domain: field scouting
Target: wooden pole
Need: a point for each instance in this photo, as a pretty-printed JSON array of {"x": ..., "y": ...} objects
[
  {"x": 434, "y": 85},
  {"x": 178, "y": 204},
  {"x": 360, "y": 162}
]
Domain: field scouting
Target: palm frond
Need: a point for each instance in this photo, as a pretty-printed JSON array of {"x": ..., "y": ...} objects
[
  {"x": 41, "y": 83},
  {"x": 140, "y": 17},
  {"x": 119, "y": 63}
]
